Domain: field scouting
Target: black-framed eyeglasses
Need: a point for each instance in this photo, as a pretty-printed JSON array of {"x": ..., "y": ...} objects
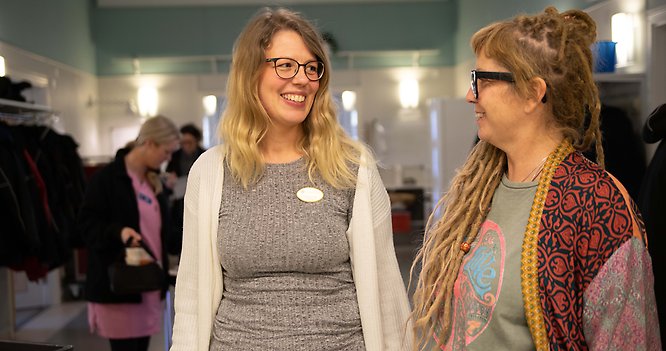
[
  {"x": 476, "y": 75},
  {"x": 287, "y": 68}
]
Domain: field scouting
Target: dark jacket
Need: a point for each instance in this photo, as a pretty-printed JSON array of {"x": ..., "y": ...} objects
[
  {"x": 174, "y": 164},
  {"x": 19, "y": 236},
  {"x": 177, "y": 205},
  {"x": 653, "y": 207},
  {"x": 110, "y": 205},
  {"x": 624, "y": 153}
]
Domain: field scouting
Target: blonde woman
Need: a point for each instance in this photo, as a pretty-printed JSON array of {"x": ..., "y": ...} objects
[
  {"x": 287, "y": 241},
  {"x": 124, "y": 201},
  {"x": 538, "y": 247}
]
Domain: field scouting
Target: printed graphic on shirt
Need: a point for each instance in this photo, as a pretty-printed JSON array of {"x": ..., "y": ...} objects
[{"x": 478, "y": 287}]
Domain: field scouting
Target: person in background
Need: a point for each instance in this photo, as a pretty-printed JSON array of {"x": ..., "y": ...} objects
[
  {"x": 177, "y": 170},
  {"x": 287, "y": 229},
  {"x": 190, "y": 150},
  {"x": 124, "y": 201},
  {"x": 538, "y": 247}
]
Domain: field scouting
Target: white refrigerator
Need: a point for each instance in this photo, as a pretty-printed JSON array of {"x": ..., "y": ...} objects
[{"x": 452, "y": 127}]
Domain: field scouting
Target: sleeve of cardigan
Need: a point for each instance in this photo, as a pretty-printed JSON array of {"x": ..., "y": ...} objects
[
  {"x": 186, "y": 304},
  {"x": 394, "y": 303},
  {"x": 620, "y": 311}
]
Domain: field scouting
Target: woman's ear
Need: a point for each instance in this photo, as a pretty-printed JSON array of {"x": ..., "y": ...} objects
[
  {"x": 540, "y": 89},
  {"x": 539, "y": 94}
]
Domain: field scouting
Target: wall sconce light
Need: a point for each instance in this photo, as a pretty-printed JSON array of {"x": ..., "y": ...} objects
[
  {"x": 147, "y": 98},
  {"x": 409, "y": 93},
  {"x": 209, "y": 104},
  {"x": 2, "y": 67},
  {"x": 622, "y": 32},
  {"x": 348, "y": 100}
]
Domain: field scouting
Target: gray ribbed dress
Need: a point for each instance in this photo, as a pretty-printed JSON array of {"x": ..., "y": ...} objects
[{"x": 287, "y": 277}]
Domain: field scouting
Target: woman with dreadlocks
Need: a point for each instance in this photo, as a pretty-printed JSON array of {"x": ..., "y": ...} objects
[{"x": 537, "y": 247}]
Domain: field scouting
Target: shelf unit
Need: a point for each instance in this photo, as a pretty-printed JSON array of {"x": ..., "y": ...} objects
[
  {"x": 21, "y": 108},
  {"x": 17, "y": 112},
  {"x": 627, "y": 91},
  {"x": 619, "y": 77}
]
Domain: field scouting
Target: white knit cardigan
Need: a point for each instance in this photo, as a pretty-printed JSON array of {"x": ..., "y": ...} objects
[{"x": 382, "y": 299}]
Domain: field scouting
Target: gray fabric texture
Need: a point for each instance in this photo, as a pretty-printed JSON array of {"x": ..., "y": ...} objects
[{"x": 288, "y": 283}]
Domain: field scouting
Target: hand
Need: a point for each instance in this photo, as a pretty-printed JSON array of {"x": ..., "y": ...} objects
[{"x": 127, "y": 233}]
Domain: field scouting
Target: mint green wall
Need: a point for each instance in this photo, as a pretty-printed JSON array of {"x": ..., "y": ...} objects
[
  {"x": 653, "y": 4},
  {"x": 96, "y": 40},
  {"x": 479, "y": 13},
  {"x": 192, "y": 31},
  {"x": 58, "y": 29}
]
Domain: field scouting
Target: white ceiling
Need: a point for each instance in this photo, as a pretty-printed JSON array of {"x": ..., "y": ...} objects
[{"x": 158, "y": 3}]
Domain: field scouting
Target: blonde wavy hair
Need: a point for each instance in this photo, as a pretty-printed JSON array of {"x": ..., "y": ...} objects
[
  {"x": 551, "y": 45},
  {"x": 161, "y": 130},
  {"x": 327, "y": 148}
]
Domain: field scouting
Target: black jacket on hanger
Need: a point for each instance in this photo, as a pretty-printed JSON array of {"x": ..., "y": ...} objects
[
  {"x": 19, "y": 236},
  {"x": 109, "y": 205}
]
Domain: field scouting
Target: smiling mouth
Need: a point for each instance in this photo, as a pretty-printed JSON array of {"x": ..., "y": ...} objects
[{"x": 294, "y": 97}]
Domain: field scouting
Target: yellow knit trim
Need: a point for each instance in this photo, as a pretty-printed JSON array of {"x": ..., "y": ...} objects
[{"x": 528, "y": 264}]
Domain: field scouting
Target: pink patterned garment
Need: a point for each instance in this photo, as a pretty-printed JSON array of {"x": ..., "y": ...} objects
[{"x": 614, "y": 316}]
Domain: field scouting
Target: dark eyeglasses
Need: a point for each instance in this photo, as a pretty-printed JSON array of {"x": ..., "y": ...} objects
[
  {"x": 476, "y": 75},
  {"x": 287, "y": 68}
]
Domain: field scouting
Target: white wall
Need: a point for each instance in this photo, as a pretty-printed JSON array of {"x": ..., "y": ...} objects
[
  {"x": 377, "y": 98},
  {"x": 180, "y": 99},
  {"x": 91, "y": 108},
  {"x": 65, "y": 89}
]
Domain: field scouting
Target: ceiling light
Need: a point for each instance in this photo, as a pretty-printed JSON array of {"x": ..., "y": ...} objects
[
  {"x": 348, "y": 100},
  {"x": 209, "y": 104},
  {"x": 622, "y": 32},
  {"x": 147, "y": 97},
  {"x": 409, "y": 93}
]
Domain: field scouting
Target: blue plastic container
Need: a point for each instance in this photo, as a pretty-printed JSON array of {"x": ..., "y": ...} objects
[{"x": 604, "y": 56}]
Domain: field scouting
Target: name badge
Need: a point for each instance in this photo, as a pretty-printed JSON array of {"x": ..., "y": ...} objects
[{"x": 310, "y": 194}]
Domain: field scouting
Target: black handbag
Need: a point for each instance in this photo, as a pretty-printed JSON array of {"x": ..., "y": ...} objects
[{"x": 130, "y": 279}]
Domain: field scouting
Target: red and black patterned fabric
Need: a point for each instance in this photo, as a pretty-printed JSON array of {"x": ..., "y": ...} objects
[{"x": 586, "y": 218}]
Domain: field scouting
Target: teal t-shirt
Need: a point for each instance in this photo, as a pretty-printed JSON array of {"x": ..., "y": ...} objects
[{"x": 488, "y": 312}]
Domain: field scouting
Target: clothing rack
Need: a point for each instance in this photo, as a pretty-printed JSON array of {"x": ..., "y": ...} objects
[{"x": 17, "y": 113}]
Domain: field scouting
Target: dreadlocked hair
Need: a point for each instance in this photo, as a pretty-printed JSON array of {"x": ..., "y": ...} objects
[
  {"x": 465, "y": 206},
  {"x": 552, "y": 46},
  {"x": 556, "y": 47}
]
